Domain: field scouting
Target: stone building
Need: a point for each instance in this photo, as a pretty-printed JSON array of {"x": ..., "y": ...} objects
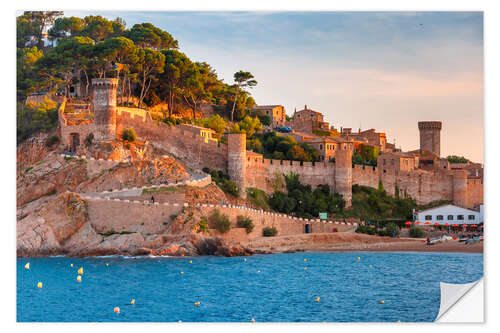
[
  {"x": 308, "y": 121},
  {"x": 326, "y": 146},
  {"x": 276, "y": 113},
  {"x": 206, "y": 133},
  {"x": 370, "y": 137}
]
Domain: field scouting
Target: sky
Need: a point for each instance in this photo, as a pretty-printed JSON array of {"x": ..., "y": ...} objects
[{"x": 382, "y": 70}]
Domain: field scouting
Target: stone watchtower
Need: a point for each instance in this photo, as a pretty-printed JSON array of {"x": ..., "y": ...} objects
[
  {"x": 236, "y": 160},
  {"x": 343, "y": 171},
  {"x": 104, "y": 106},
  {"x": 430, "y": 136}
]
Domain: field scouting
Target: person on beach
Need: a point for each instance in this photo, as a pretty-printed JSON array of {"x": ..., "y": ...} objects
[{"x": 152, "y": 199}]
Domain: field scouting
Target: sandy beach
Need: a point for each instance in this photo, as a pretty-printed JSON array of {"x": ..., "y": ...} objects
[{"x": 357, "y": 242}]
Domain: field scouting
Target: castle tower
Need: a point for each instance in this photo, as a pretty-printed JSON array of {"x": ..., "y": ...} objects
[
  {"x": 343, "y": 171},
  {"x": 430, "y": 136},
  {"x": 236, "y": 160},
  {"x": 104, "y": 106}
]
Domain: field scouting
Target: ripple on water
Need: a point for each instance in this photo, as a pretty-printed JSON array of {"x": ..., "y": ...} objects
[{"x": 230, "y": 289}]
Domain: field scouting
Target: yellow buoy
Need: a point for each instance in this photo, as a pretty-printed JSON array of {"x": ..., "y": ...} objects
[
  {"x": 190, "y": 261},
  {"x": 79, "y": 278},
  {"x": 317, "y": 299},
  {"x": 182, "y": 273},
  {"x": 80, "y": 271},
  {"x": 133, "y": 301},
  {"x": 39, "y": 285},
  {"x": 305, "y": 260},
  {"x": 27, "y": 266},
  {"x": 305, "y": 268},
  {"x": 381, "y": 302},
  {"x": 359, "y": 258},
  {"x": 107, "y": 264},
  {"x": 253, "y": 320},
  {"x": 116, "y": 309},
  {"x": 70, "y": 265},
  {"x": 245, "y": 259},
  {"x": 197, "y": 304}
]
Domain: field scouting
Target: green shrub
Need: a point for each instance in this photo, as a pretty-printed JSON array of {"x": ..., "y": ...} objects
[
  {"x": 219, "y": 221},
  {"x": 245, "y": 222},
  {"x": 222, "y": 180},
  {"x": 392, "y": 228},
  {"x": 258, "y": 198},
  {"x": 129, "y": 135},
  {"x": 416, "y": 232},
  {"x": 52, "y": 140},
  {"x": 364, "y": 229},
  {"x": 228, "y": 186},
  {"x": 88, "y": 140},
  {"x": 203, "y": 225},
  {"x": 269, "y": 231}
]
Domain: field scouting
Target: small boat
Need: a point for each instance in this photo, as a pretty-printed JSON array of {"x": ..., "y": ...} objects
[
  {"x": 462, "y": 238},
  {"x": 433, "y": 241},
  {"x": 472, "y": 240}
]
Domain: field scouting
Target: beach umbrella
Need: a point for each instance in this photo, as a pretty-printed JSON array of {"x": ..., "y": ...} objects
[
  {"x": 408, "y": 223},
  {"x": 473, "y": 226},
  {"x": 427, "y": 223},
  {"x": 446, "y": 225},
  {"x": 455, "y": 225},
  {"x": 418, "y": 222},
  {"x": 436, "y": 224}
]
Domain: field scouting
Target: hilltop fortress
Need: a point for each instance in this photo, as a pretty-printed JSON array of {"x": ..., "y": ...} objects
[{"x": 421, "y": 174}]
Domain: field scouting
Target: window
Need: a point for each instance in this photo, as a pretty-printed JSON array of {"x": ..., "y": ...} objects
[
  {"x": 392, "y": 162},
  {"x": 383, "y": 161},
  {"x": 439, "y": 217},
  {"x": 428, "y": 217},
  {"x": 320, "y": 147},
  {"x": 460, "y": 217},
  {"x": 471, "y": 217},
  {"x": 450, "y": 217}
]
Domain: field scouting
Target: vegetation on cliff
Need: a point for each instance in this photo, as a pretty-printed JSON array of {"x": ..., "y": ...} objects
[
  {"x": 145, "y": 59},
  {"x": 302, "y": 201},
  {"x": 222, "y": 180},
  {"x": 374, "y": 204}
]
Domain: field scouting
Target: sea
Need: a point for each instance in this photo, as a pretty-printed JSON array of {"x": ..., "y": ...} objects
[{"x": 285, "y": 287}]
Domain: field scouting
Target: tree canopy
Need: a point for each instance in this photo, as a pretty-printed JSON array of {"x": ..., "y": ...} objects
[{"x": 150, "y": 69}]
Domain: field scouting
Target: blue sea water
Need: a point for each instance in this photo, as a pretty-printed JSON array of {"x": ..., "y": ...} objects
[{"x": 268, "y": 288}]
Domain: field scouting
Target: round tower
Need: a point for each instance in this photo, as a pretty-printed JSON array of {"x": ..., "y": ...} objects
[
  {"x": 343, "y": 171},
  {"x": 236, "y": 160},
  {"x": 104, "y": 106},
  {"x": 430, "y": 136}
]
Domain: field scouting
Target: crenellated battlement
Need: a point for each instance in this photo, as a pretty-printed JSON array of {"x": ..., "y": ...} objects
[{"x": 109, "y": 83}]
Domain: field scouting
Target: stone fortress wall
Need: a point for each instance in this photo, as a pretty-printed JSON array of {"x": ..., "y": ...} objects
[
  {"x": 145, "y": 217},
  {"x": 249, "y": 169}
]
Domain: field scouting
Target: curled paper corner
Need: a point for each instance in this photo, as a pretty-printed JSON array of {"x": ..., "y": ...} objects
[{"x": 461, "y": 303}]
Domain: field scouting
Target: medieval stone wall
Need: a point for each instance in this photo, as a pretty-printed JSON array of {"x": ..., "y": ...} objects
[
  {"x": 365, "y": 175},
  {"x": 189, "y": 147},
  {"x": 108, "y": 214},
  {"x": 264, "y": 174}
]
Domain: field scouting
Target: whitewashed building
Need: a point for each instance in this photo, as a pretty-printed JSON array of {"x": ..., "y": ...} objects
[{"x": 450, "y": 214}]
